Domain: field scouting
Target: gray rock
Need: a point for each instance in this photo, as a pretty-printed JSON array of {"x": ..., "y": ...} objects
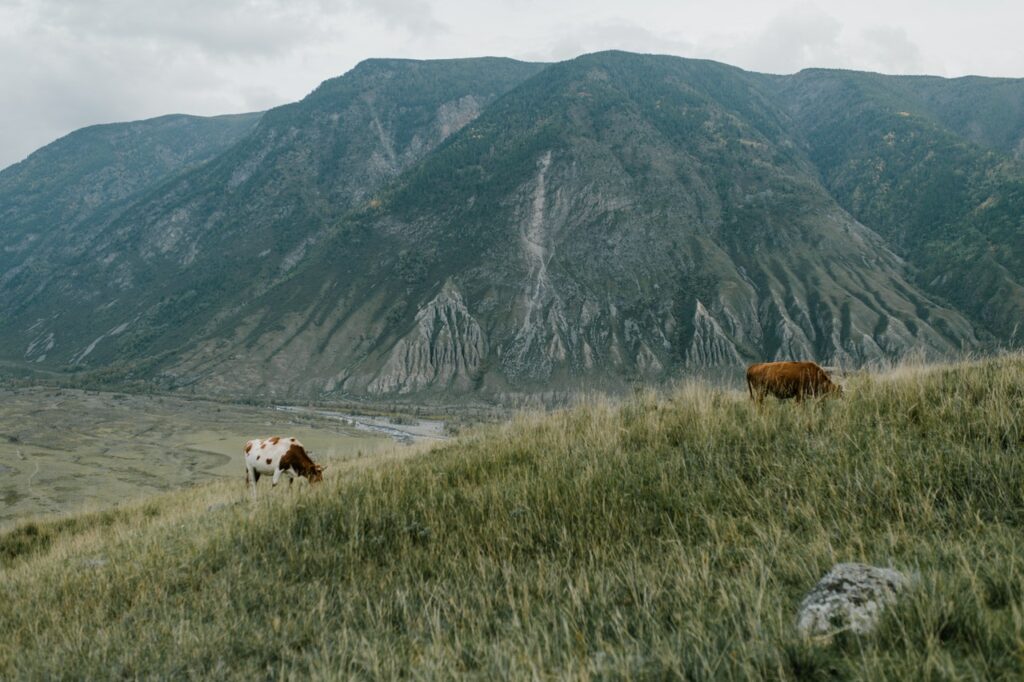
[
  {"x": 849, "y": 597},
  {"x": 446, "y": 347}
]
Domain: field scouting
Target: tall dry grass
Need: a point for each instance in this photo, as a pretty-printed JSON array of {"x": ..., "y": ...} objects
[{"x": 656, "y": 538}]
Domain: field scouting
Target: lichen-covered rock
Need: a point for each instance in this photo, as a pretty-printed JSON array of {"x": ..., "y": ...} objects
[{"x": 849, "y": 597}]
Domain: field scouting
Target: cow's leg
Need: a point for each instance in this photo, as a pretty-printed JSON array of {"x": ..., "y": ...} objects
[
  {"x": 291, "y": 476},
  {"x": 252, "y": 477}
]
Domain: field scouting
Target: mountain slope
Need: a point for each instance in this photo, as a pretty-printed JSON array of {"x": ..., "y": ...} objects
[
  {"x": 497, "y": 228},
  {"x": 140, "y": 283},
  {"x": 908, "y": 159},
  {"x": 60, "y": 184},
  {"x": 47, "y": 200},
  {"x": 612, "y": 218}
]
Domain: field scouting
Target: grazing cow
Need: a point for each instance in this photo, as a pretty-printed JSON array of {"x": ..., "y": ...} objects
[
  {"x": 274, "y": 456},
  {"x": 789, "y": 380}
]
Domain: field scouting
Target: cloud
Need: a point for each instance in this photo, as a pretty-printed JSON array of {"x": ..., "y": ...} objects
[
  {"x": 890, "y": 50},
  {"x": 805, "y": 36},
  {"x": 70, "y": 63},
  {"x": 616, "y": 34},
  {"x": 65, "y": 64},
  {"x": 222, "y": 28},
  {"x": 797, "y": 38},
  {"x": 61, "y": 71},
  {"x": 227, "y": 28},
  {"x": 414, "y": 16}
]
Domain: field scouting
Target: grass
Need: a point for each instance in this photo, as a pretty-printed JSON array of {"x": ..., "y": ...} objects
[{"x": 658, "y": 538}]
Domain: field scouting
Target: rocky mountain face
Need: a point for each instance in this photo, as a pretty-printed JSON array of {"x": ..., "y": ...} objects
[
  {"x": 492, "y": 228},
  {"x": 209, "y": 239},
  {"x": 64, "y": 183},
  {"x": 933, "y": 166},
  {"x": 49, "y": 201}
]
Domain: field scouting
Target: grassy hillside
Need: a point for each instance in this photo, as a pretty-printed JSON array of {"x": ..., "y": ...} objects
[{"x": 657, "y": 538}]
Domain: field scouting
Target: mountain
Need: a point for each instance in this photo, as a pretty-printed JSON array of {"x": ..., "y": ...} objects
[
  {"x": 494, "y": 228},
  {"x": 933, "y": 166},
  {"x": 52, "y": 202},
  {"x": 46, "y": 199},
  {"x": 210, "y": 238}
]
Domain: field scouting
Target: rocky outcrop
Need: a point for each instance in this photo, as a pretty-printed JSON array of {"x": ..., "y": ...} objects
[
  {"x": 710, "y": 345},
  {"x": 849, "y": 597},
  {"x": 453, "y": 116},
  {"x": 538, "y": 344},
  {"x": 445, "y": 349}
]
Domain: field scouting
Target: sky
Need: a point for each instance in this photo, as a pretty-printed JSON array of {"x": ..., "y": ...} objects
[{"x": 66, "y": 64}]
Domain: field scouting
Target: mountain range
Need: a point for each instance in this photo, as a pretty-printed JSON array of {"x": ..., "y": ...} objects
[{"x": 493, "y": 228}]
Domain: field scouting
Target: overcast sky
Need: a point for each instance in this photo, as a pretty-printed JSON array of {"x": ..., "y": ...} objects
[{"x": 65, "y": 64}]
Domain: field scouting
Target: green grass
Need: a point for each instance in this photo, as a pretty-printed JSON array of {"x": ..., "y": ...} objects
[{"x": 659, "y": 538}]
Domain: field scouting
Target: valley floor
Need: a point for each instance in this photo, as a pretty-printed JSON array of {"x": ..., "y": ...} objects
[{"x": 62, "y": 450}]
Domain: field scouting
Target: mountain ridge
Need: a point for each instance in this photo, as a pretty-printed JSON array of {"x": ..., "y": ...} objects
[{"x": 490, "y": 227}]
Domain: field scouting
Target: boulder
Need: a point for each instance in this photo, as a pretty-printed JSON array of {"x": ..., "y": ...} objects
[{"x": 849, "y": 597}]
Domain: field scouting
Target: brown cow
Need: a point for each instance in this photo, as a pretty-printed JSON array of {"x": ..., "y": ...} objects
[{"x": 789, "y": 380}]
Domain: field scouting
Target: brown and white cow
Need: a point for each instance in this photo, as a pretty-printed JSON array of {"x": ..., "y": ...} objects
[
  {"x": 789, "y": 380},
  {"x": 275, "y": 456}
]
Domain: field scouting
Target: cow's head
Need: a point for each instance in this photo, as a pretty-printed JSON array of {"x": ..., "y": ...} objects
[{"x": 315, "y": 474}]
